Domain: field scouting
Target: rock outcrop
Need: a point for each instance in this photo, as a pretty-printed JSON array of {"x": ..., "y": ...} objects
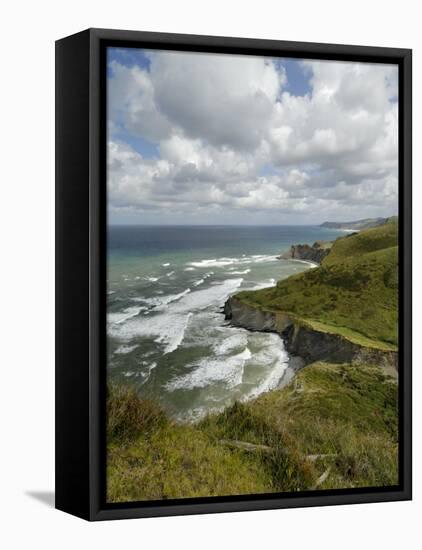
[
  {"x": 306, "y": 342},
  {"x": 315, "y": 253}
]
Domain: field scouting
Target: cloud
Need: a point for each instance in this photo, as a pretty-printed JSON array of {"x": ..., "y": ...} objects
[
  {"x": 131, "y": 103},
  {"x": 222, "y": 100},
  {"x": 232, "y": 139}
]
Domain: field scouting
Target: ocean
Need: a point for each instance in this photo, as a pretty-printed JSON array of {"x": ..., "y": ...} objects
[{"x": 166, "y": 286}]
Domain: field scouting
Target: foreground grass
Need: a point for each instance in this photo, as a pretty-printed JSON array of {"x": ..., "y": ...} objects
[
  {"x": 150, "y": 457},
  {"x": 334, "y": 426},
  {"x": 353, "y": 293}
]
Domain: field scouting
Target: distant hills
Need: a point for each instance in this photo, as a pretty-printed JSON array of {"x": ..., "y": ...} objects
[{"x": 359, "y": 224}]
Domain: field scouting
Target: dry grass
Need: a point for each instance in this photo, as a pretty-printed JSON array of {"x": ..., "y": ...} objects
[{"x": 336, "y": 418}]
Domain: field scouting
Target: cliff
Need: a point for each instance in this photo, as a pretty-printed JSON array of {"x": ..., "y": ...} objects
[
  {"x": 310, "y": 343},
  {"x": 315, "y": 253},
  {"x": 345, "y": 311}
]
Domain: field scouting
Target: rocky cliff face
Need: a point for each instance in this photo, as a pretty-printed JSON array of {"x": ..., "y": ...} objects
[
  {"x": 315, "y": 253},
  {"x": 303, "y": 341}
]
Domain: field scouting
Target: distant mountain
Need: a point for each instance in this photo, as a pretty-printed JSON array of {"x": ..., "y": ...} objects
[{"x": 359, "y": 224}]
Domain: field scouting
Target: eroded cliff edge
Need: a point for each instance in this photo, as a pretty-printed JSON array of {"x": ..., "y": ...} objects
[
  {"x": 315, "y": 253},
  {"x": 303, "y": 340},
  {"x": 343, "y": 311}
]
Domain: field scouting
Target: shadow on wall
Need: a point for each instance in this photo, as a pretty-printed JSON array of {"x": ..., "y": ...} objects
[{"x": 45, "y": 497}]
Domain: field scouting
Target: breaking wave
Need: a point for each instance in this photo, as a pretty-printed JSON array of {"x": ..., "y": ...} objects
[
  {"x": 170, "y": 317},
  {"x": 224, "y": 262},
  {"x": 228, "y": 370}
]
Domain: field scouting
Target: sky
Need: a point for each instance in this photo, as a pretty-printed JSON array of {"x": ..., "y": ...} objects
[{"x": 198, "y": 138}]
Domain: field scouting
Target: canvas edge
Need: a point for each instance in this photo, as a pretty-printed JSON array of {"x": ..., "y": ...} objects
[{"x": 95, "y": 177}]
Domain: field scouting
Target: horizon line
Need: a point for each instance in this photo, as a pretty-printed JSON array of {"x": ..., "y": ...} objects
[{"x": 238, "y": 224}]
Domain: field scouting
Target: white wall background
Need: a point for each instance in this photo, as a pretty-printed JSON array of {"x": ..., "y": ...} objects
[{"x": 27, "y": 272}]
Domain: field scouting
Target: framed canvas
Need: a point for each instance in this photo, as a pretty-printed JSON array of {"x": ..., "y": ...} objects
[{"x": 233, "y": 274}]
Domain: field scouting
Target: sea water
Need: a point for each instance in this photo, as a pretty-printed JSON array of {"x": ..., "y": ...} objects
[{"x": 167, "y": 336}]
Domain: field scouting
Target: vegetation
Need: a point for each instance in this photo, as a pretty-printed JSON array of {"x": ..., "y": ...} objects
[
  {"x": 354, "y": 292},
  {"x": 364, "y": 242},
  {"x": 151, "y": 457},
  {"x": 334, "y": 426}
]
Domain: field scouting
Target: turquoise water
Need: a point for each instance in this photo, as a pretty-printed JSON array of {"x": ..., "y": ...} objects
[{"x": 166, "y": 331}]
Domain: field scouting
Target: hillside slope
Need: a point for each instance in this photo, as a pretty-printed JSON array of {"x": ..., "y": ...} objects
[
  {"x": 354, "y": 292},
  {"x": 334, "y": 426}
]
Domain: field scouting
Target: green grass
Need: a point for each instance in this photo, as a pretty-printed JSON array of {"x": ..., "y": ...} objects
[
  {"x": 151, "y": 457},
  {"x": 353, "y": 336},
  {"x": 334, "y": 426},
  {"x": 368, "y": 240},
  {"x": 325, "y": 245},
  {"x": 353, "y": 293},
  {"x": 340, "y": 418}
]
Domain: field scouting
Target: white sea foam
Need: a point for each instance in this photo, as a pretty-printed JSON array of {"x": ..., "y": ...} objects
[
  {"x": 228, "y": 370},
  {"x": 212, "y": 296},
  {"x": 157, "y": 301},
  {"x": 307, "y": 262},
  {"x": 264, "y": 258},
  {"x": 189, "y": 269},
  {"x": 213, "y": 263},
  {"x": 263, "y": 284},
  {"x": 168, "y": 321},
  {"x": 237, "y": 340},
  {"x": 239, "y": 272},
  {"x": 167, "y": 299},
  {"x": 273, "y": 357},
  {"x": 224, "y": 262},
  {"x": 166, "y": 328},
  {"x": 202, "y": 280},
  {"x": 165, "y": 265},
  {"x": 151, "y": 279},
  {"x": 123, "y": 349},
  {"x": 122, "y": 316},
  {"x": 146, "y": 373},
  {"x": 177, "y": 335}
]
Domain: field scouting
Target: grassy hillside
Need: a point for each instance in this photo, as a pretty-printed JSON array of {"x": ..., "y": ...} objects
[
  {"x": 334, "y": 426},
  {"x": 150, "y": 457},
  {"x": 354, "y": 292},
  {"x": 358, "y": 244}
]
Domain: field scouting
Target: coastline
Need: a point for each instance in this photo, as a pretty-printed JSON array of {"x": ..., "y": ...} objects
[
  {"x": 206, "y": 375},
  {"x": 330, "y": 423},
  {"x": 196, "y": 365},
  {"x": 299, "y": 308},
  {"x": 305, "y": 343}
]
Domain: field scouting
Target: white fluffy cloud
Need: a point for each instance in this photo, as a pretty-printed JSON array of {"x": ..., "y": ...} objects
[{"x": 232, "y": 139}]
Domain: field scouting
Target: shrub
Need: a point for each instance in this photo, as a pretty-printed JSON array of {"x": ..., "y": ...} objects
[{"x": 128, "y": 416}]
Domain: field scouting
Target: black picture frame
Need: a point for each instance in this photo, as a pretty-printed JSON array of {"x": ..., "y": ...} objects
[{"x": 81, "y": 267}]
